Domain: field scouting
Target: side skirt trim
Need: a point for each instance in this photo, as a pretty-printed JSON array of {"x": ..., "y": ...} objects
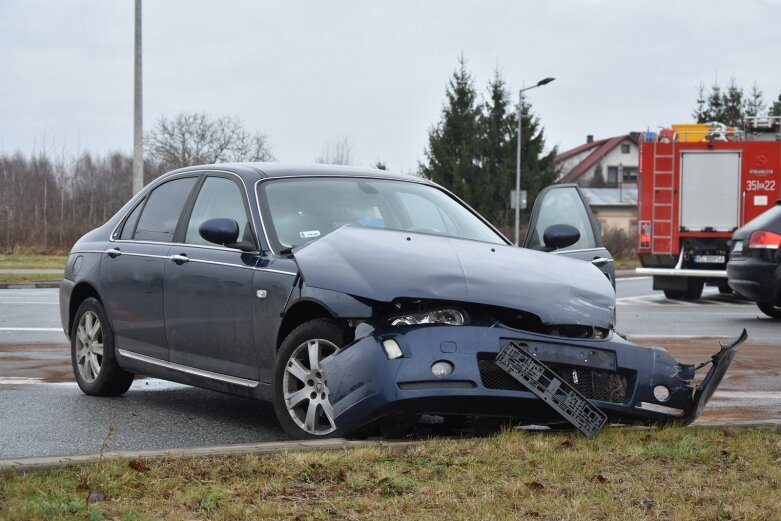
[{"x": 189, "y": 370}]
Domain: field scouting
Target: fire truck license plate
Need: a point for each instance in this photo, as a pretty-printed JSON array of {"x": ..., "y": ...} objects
[{"x": 709, "y": 259}]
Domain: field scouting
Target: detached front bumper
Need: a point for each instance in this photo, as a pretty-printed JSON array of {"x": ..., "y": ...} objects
[{"x": 629, "y": 383}]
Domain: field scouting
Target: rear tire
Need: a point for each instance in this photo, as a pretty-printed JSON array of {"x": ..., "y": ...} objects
[
  {"x": 301, "y": 397},
  {"x": 770, "y": 310},
  {"x": 93, "y": 358}
]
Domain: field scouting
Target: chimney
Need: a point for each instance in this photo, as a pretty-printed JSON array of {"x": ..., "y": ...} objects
[{"x": 590, "y": 138}]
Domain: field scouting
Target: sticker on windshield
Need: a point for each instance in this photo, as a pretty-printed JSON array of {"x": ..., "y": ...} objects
[{"x": 309, "y": 234}]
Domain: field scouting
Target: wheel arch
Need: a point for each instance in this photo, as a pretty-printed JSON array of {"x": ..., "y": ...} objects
[
  {"x": 299, "y": 313},
  {"x": 81, "y": 292}
]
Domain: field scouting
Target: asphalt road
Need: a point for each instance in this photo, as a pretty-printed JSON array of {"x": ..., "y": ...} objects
[{"x": 43, "y": 413}]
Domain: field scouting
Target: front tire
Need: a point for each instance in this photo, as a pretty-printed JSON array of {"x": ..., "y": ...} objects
[
  {"x": 301, "y": 397},
  {"x": 92, "y": 352},
  {"x": 769, "y": 309}
]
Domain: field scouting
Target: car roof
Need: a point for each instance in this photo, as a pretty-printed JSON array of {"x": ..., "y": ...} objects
[{"x": 274, "y": 170}]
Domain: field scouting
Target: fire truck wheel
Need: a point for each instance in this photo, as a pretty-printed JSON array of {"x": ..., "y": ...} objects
[{"x": 694, "y": 291}]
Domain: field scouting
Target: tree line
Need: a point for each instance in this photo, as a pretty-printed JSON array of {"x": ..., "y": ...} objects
[
  {"x": 731, "y": 105},
  {"x": 49, "y": 200}
]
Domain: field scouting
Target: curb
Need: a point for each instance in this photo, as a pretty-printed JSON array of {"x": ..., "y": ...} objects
[
  {"x": 30, "y": 285},
  {"x": 46, "y": 463},
  {"x": 51, "y": 462}
]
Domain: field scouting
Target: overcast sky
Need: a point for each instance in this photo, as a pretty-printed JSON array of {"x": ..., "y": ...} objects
[{"x": 306, "y": 72}]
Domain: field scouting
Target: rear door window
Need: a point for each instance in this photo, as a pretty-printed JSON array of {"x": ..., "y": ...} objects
[{"x": 163, "y": 208}]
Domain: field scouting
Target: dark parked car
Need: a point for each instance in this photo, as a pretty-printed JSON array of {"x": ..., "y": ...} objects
[
  {"x": 355, "y": 299},
  {"x": 754, "y": 268}
]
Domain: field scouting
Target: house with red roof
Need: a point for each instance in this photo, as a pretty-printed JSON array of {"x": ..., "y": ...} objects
[
  {"x": 615, "y": 159},
  {"x": 607, "y": 171}
]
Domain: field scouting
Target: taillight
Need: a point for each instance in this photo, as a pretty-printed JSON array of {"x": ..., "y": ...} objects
[
  {"x": 645, "y": 235},
  {"x": 765, "y": 240}
]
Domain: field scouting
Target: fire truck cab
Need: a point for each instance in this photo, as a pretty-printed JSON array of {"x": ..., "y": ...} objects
[{"x": 697, "y": 184}]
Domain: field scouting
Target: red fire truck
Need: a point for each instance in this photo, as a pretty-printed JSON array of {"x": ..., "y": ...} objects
[{"x": 697, "y": 184}]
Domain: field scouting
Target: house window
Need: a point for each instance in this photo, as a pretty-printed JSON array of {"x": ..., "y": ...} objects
[
  {"x": 625, "y": 148},
  {"x": 612, "y": 175},
  {"x": 630, "y": 174}
]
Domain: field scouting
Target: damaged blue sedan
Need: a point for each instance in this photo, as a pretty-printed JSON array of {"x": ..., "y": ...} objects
[{"x": 359, "y": 301}]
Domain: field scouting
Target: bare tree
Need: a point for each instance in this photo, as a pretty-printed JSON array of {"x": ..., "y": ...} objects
[
  {"x": 196, "y": 138},
  {"x": 338, "y": 151}
]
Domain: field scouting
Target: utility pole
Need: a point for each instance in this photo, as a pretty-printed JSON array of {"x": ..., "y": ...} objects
[
  {"x": 540, "y": 83},
  {"x": 138, "y": 127}
]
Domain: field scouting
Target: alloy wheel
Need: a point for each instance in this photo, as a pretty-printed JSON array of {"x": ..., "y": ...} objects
[
  {"x": 305, "y": 388},
  {"x": 89, "y": 346}
]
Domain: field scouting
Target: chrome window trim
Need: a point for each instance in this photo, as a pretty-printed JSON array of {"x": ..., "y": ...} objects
[
  {"x": 165, "y": 178},
  {"x": 202, "y": 261},
  {"x": 189, "y": 370},
  {"x": 253, "y": 268},
  {"x": 76, "y": 252}
]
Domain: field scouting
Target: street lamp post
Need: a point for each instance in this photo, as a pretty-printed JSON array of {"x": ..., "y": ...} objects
[{"x": 540, "y": 83}]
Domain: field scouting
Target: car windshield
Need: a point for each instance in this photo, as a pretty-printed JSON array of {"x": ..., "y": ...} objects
[{"x": 297, "y": 211}]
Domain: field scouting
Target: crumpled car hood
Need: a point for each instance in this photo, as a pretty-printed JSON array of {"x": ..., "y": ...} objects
[{"x": 384, "y": 265}]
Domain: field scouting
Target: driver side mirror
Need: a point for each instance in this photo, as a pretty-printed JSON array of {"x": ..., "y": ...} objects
[
  {"x": 224, "y": 232},
  {"x": 559, "y": 236}
]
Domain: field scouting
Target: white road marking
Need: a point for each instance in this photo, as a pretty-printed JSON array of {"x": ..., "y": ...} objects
[
  {"x": 758, "y": 395},
  {"x": 30, "y": 329},
  {"x": 37, "y": 303},
  {"x": 19, "y": 380}
]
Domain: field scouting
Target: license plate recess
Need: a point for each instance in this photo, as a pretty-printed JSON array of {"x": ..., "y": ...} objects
[{"x": 549, "y": 387}]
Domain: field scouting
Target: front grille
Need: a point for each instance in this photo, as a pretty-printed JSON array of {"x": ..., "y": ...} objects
[{"x": 594, "y": 384}]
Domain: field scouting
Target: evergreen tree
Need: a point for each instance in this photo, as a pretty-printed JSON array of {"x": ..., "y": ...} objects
[
  {"x": 598, "y": 181},
  {"x": 472, "y": 150},
  {"x": 715, "y": 108},
  {"x": 776, "y": 110},
  {"x": 453, "y": 152},
  {"x": 497, "y": 177},
  {"x": 733, "y": 105},
  {"x": 755, "y": 104},
  {"x": 699, "y": 114}
]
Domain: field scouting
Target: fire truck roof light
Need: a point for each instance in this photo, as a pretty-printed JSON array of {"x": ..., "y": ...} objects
[{"x": 765, "y": 239}]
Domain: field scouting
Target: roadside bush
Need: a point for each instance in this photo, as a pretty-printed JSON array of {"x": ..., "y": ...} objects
[{"x": 620, "y": 243}]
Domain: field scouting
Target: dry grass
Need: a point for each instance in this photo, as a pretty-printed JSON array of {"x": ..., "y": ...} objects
[
  {"x": 676, "y": 474},
  {"x": 21, "y": 278},
  {"x": 32, "y": 261}
]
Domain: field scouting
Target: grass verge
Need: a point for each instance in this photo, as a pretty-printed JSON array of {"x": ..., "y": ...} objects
[
  {"x": 675, "y": 473},
  {"x": 21, "y": 278},
  {"x": 26, "y": 261}
]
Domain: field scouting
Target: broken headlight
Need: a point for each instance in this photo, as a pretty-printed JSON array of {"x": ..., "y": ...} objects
[{"x": 450, "y": 317}]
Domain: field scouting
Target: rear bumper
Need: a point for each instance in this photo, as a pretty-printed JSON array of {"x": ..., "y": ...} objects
[
  {"x": 755, "y": 279},
  {"x": 367, "y": 389},
  {"x": 672, "y": 272}
]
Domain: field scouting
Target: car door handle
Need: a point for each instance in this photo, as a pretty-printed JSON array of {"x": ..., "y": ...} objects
[
  {"x": 600, "y": 261},
  {"x": 180, "y": 259},
  {"x": 114, "y": 253}
]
